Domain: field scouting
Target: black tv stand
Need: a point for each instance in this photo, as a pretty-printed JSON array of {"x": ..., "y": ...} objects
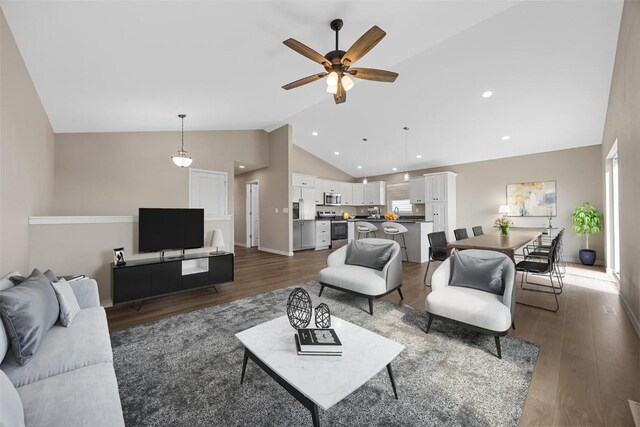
[{"x": 142, "y": 279}]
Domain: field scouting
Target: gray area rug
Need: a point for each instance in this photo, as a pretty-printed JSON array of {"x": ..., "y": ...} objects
[{"x": 185, "y": 371}]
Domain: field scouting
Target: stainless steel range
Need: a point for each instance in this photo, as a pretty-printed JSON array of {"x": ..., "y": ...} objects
[{"x": 339, "y": 228}]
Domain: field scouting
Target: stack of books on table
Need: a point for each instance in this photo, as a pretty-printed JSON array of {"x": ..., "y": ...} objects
[{"x": 318, "y": 342}]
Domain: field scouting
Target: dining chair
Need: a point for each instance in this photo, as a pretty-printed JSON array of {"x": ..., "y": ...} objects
[
  {"x": 437, "y": 250},
  {"x": 477, "y": 230},
  {"x": 543, "y": 264},
  {"x": 460, "y": 234}
]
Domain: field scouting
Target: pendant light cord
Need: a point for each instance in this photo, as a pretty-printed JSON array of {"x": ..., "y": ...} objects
[{"x": 182, "y": 133}]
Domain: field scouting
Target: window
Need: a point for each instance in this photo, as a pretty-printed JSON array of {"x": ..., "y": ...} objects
[{"x": 404, "y": 206}]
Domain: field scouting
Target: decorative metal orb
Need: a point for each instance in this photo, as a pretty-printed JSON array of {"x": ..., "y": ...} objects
[
  {"x": 299, "y": 308},
  {"x": 323, "y": 316}
]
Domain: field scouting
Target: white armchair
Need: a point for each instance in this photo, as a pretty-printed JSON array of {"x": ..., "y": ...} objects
[
  {"x": 473, "y": 309},
  {"x": 363, "y": 281}
]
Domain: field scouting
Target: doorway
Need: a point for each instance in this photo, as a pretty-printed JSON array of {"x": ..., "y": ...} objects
[
  {"x": 613, "y": 211},
  {"x": 253, "y": 214}
]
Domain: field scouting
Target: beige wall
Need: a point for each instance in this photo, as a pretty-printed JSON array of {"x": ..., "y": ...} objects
[
  {"x": 116, "y": 173},
  {"x": 274, "y": 182},
  {"x": 306, "y": 163},
  {"x": 623, "y": 125},
  {"x": 26, "y": 156},
  {"x": 481, "y": 189}
]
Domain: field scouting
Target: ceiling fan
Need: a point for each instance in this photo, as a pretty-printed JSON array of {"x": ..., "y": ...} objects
[{"x": 337, "y": 63}]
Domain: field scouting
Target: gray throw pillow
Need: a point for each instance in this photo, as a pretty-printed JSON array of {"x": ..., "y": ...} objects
[
  {"x": 369, "y": 255},
  {"x": 17, "y": 279},
  {"x": 477, "y": 273},
  {"x": 12, "y": 413},
  {"x": 69, "y": 307},
  {"x": 28, "y": 312}
]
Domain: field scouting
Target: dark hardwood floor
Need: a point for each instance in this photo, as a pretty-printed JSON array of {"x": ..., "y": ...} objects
[{"x": 589, "y": 360}]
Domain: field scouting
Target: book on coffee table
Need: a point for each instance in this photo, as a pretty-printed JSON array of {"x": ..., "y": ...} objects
[
  {"x": 314, "y": 353},
  {"x": 319, "y": 340}
]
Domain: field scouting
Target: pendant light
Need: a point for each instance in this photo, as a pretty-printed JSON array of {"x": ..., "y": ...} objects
[
  {"x": 406, "y": 136},
  {"x": 182, "y": 159},
  {"x": 364, "y": 181}
]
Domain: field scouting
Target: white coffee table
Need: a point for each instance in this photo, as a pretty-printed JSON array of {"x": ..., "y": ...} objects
[{"x": 318, "y": 381}]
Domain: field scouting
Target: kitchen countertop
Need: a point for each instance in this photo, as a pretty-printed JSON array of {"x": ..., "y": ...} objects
[{"x": 400, "y": 221}]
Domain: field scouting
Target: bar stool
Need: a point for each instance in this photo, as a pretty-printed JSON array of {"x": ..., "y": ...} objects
[
  {"x": 394, "y": 229},
  {"x": 365, "y": 228}
]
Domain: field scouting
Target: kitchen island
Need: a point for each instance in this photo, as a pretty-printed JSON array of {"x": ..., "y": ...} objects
[{"x": 416, "y": 235}]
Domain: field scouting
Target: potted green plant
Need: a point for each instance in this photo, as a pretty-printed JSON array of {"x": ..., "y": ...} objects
[{"x": 587, "y": 220}]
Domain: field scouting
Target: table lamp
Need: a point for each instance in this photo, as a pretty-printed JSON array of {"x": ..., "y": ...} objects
[
  {"x": 504, "y": 210},
  {"x": 217, "y": 240}
]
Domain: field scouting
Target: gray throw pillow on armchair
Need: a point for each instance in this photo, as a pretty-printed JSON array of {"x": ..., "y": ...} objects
[
  {"x": 368, "y": 255},
  {"x": 28, "y": 311},
  {"x": 477, "y": 273}
]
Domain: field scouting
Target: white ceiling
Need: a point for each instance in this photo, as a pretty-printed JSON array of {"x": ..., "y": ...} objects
[{"x": 133, "y": 66}]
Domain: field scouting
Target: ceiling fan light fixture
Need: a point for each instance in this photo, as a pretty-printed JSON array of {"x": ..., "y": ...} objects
[
  {"x": 332, "y": 89},
  {"x": 347, "y": 82},
  {"x": 332, "y": 79}
]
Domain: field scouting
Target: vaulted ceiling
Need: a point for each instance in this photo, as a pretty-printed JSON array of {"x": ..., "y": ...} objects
[{"x": 133, "y": 66}]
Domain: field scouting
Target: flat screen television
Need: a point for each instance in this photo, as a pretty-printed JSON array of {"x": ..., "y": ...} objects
[{"x": 166, "y": 229}]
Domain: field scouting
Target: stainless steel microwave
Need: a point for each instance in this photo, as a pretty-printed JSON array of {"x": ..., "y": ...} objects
[{"x": 332, "y": 199}]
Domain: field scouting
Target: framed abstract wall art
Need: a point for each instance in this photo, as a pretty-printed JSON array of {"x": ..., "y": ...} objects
[{"x": 532, "y": 199}]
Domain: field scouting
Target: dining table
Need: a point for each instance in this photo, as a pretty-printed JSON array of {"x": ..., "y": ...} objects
[{"x": 495, "y": 241}]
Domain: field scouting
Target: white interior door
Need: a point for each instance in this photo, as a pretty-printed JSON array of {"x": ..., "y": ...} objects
[
  {"x": 208, "y": 190},
  {"x": 255, "y": 214}
]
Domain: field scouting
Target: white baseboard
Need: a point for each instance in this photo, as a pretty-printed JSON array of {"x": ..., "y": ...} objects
[
  {"x": 106, "y": 303},
  {"x": 630, "y": 314},
  {"x": 243, "y": 245},
  {"x": 577, "y": 261},
  {"x": 275, "y": 251}
]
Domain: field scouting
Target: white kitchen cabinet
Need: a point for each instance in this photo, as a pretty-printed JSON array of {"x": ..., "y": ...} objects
[
  {"x": 306, "y": 198},
  {"x": 299, "y": 180},
  {"x": 346, "y": 191},
  {"x": 417, "y": 190},
  {"x": 318, "y": 194},
  {"x": 375, "y": 193},
  {"x": 330, "y": 187},
  {"x": 323, "y": 234},
  {"x": 437, "y": 186},
  {"x": 357, "y": 195},
  {"x": 437, "y": 212},
  {"x": 440, "y": 191}
]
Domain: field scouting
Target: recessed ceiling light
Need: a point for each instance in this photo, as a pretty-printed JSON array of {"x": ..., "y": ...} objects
[
  {"x": 337, "y": 153},
  {"x": 241, "y": 166},
  {"x": 314, "y": 133},
  {"x": 506, "y": 138},
  {"x": 487, "y": 94},
  {"x": 359, "y": 167},
  {"x": 394, "y": 169},
  {"x": 419, "y": 156}
]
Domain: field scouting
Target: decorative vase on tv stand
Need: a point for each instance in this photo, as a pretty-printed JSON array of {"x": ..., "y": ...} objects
[{"x": 586, "y": 220}]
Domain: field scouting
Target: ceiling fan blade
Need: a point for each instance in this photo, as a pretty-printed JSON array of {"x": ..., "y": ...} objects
[
  {"x": 305, "y": 50},
  {"x": 373, "y": 74},
  {"x": 363, "y": 45},
  {"x": 304, "y": 81},
  {"x": 341, "y": 96}
]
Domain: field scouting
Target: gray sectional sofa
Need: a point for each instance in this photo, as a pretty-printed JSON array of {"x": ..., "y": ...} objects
[{"x": 70, "y": 381}]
